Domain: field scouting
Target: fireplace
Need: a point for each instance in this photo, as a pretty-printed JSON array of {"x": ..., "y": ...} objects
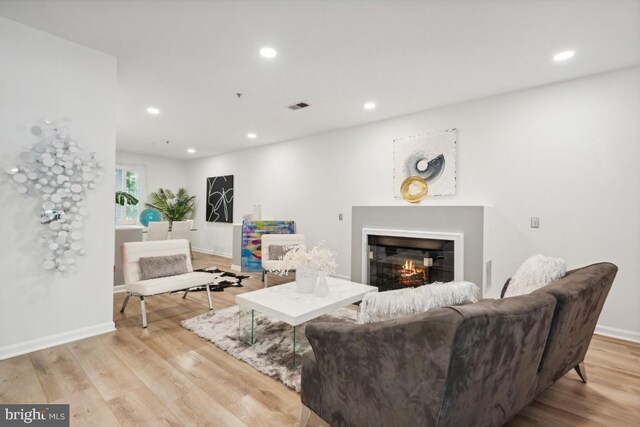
[{"x": 404, "y": 259}]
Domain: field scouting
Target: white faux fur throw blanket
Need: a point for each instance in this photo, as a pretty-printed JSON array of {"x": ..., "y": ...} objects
[
  {"x": 377, "y": 307},
  {"x": 534, "y": 273}
]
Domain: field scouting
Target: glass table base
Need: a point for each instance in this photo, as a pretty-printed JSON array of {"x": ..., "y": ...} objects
[{"x": 247, "y": 333}]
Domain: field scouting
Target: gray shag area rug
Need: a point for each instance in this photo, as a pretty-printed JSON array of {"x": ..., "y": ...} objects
[{"x": 271, "y": 352}]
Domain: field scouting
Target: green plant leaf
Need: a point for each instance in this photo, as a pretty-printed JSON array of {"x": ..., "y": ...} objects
[
  {"x": 122, "y": 198},
  {"x": 173, "y": 207}
]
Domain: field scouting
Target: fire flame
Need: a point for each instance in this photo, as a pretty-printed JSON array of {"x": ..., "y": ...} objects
[{"x": 408, "y": 267}]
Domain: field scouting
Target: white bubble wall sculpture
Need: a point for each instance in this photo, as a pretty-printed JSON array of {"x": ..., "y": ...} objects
[{"x": 58, "y": 172}]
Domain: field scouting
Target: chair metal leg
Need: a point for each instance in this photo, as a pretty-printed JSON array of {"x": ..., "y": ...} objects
[
  {"x": 209, "y": 296},
  {"x": 144, "y": 312},
  {"x": 305, "y": 415},
  {"x": 265, "y": 279},
  {"x": 126, "y": 301},
  {"x": 582, "y": 373},
  {"x": 186, "y": 291}
]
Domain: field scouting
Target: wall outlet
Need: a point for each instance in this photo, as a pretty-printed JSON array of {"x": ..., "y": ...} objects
[{"x": 535, "y": 222}]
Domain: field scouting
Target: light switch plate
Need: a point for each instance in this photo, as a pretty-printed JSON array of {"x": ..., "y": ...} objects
[
  {"x": 340, "y": 217},
  {"x": 535, "y": 222}
]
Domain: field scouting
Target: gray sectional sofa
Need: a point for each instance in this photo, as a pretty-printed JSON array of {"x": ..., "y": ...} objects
[{"x": 471, "y": 365}]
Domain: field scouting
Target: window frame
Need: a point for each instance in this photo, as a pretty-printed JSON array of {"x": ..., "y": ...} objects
[{"x": 121, "y": 185}]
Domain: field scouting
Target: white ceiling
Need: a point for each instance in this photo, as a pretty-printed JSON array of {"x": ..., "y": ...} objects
[{"x": 189, "y": 58}]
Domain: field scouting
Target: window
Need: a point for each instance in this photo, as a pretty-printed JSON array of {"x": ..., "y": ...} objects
[{"x": 129, "y": 178}]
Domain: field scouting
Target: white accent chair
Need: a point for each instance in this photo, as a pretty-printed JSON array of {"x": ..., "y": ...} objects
[
  {"x": 158, "y": 230},
  {"x": 131, "y": 254},
  {"x": 280, "y": 240},
  {"x": 181, "y": 230}
]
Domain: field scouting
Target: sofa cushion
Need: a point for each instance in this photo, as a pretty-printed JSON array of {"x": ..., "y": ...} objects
[
  {"x": 162, "y": 266},
  {"x": 497, "y": 350},
  {"x": 277, "y": 252},
  {"x": 380, "y": 306},
  {"x": 534, "y": 273},
  {"x": 133, "y": 251},
  {"x": 171, "y": 283},
  {"x": 389, "y": 373}
]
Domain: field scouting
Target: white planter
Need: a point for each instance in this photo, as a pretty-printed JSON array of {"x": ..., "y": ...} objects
[{"x": 306, "y": 279}]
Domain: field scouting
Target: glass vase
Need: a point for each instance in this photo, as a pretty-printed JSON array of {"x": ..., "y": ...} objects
[
  {"x": 306, "y": 279},
  {"x": 322, "y": 289}
]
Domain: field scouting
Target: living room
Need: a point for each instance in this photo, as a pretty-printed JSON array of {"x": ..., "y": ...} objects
[{"x": 384, "y": 147}]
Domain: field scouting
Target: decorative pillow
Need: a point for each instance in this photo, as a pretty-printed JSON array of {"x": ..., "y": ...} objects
[
  {"x": 162, "y": 266},
  {"x": 376, "y": 307},
  {"x": 277, "y": 252},
  {"x": 534, "y": 273}
]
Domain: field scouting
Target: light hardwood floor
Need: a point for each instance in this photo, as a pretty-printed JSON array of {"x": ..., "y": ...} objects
[{"x": 166, "y": 375}]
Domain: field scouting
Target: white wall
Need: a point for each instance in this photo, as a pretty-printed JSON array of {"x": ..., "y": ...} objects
[
  {"x": 43, "y": 76},
  {"x": 160, "y": 172},
  {"x": 567, "y": 153}
]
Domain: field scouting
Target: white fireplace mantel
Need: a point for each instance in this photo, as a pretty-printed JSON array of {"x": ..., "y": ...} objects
[{"x": 458, "y": 243}]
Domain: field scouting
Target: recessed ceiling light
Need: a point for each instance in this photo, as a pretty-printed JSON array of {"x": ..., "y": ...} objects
[
  {"x": 252, "y": 135},
  {"x": 369, "y": 105},
  {"x": 563, "y": 56},
  {"x": 268, "y": 52},
  {"x": 191, "y": 150},
  {"x": 153, "y": 110}
]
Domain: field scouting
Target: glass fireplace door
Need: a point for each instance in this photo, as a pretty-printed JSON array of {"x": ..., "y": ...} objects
[{"x": 401, "y": 262}]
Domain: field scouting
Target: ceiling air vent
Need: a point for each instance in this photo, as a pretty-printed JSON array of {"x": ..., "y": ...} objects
[{"x": 298, "y": 106}]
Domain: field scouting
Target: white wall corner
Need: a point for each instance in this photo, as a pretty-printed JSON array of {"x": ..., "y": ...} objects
[
  {"x": 618, "y": 333},
  {"x": 24, "y": 347},
  {"x": 210, "y": 252}
]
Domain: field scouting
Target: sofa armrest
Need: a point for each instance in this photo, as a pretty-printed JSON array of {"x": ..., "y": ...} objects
[
  {"x": 310, "y": 394},
  {"x": 385, "y": 374}
]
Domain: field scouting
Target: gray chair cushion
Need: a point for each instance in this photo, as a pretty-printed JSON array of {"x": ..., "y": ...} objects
[
  {"x": 277, "y": 252},
  {"x": 162, "y": 266}
]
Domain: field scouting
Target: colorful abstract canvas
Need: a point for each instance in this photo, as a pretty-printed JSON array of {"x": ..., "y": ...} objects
[{"x": 252, "y": 232}]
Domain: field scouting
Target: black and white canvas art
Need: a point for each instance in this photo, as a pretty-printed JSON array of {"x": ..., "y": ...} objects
[
  {"x": 431, "y": 156},
  {"x": 220, "y": 199}
]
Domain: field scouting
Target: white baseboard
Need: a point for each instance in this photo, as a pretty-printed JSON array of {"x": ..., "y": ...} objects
[
  {"x": 236, "y": 268},
  {"x": 119, "y": 288},
  {"x": 17, "y": 349},
  {"x": 210, "y": 252},
  {"x": 621, "y": 334}
]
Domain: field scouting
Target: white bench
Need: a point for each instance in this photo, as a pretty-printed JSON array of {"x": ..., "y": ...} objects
[{"x": 131, "y": 254}]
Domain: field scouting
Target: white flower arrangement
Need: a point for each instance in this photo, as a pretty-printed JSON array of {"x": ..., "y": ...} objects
[
  {"x": 319, "y": 258},
  {"x": 323, "y": 259}
]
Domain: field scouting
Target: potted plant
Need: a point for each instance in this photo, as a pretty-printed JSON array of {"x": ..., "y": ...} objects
[
  {"x": 125, "y": 199},
  {"x": 173, "y": 207}
]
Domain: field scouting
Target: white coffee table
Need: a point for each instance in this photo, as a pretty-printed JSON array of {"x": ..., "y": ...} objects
[{"x": 286, "y": 304}]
